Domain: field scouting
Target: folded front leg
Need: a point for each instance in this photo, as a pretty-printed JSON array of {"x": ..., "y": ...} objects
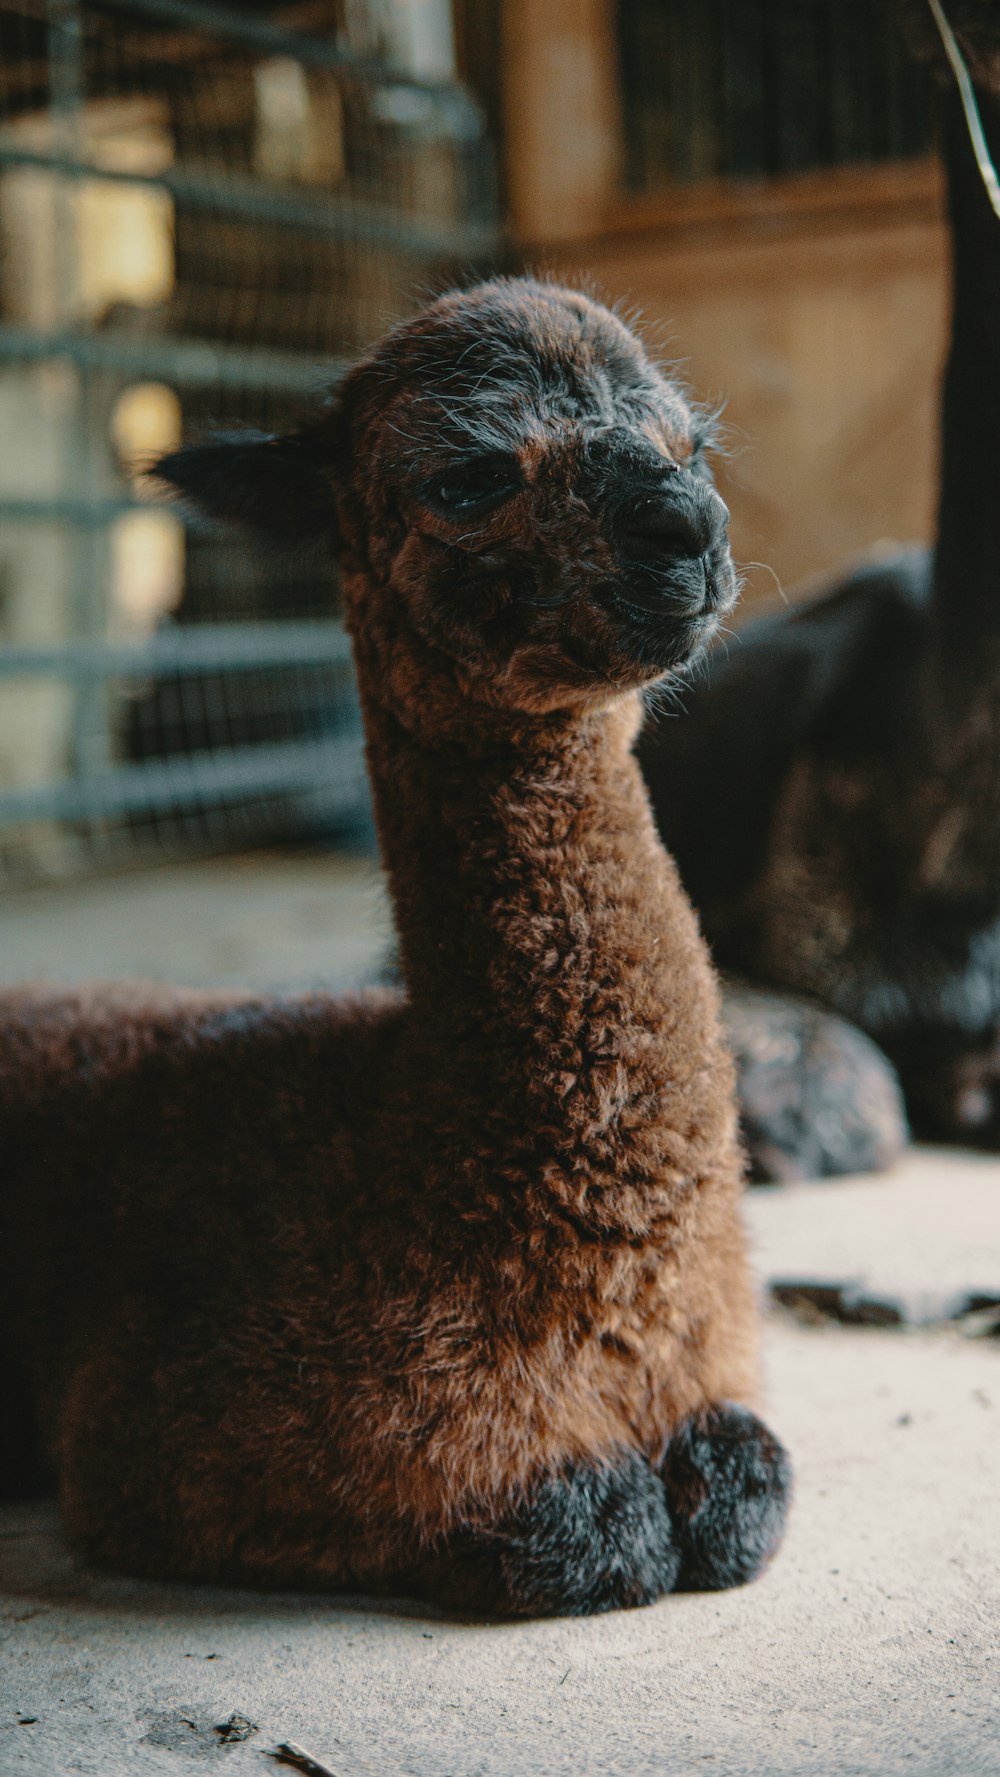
[{"x": 593, "y": 1539}]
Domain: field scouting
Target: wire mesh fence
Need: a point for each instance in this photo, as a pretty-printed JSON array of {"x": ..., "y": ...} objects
[{"x": 203, "y": 216}]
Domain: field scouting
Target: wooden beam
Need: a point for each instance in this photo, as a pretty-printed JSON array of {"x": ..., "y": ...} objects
[{"x": 561, "y": 114}]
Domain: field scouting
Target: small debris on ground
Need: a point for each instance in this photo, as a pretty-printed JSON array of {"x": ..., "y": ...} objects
[
  {"x": 845, "y": 1302},
  {"x": 981, "y": 1319},
  {"x": 235, "y": 1728},
  {"x": 817, "y": 1301},
  {"x": 288, "y": 1753},
  {"x": 189, "y": 1730}
]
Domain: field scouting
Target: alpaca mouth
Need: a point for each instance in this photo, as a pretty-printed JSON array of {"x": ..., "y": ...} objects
[
  {"x": 649, "y": 599},
  {"x": 665, "y": 606},
  {"x": 645, "y": 640}
]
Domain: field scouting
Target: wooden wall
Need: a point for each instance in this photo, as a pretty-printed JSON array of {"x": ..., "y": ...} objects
[{"x": 814, "y": 307}]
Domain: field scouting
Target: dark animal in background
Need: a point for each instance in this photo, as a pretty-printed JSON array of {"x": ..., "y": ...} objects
[
  {"x": 442, "y": 1290},
  {"x": 832, "y": 794}
]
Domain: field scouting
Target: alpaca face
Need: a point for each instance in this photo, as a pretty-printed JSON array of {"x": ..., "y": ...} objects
[
  {"x": 512, "y": 485},
  {"x": 532, "y": 490}
]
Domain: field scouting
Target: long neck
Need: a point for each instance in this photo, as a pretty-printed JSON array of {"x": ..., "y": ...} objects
[
  {"x": 967, "y": 572},
  {"x": 545, "y": 940}
]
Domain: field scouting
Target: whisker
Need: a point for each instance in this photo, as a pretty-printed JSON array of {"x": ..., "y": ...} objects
[{"x": 767, "y": 568}]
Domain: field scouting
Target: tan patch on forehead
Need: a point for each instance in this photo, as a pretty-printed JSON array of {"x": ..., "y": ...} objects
[
  {"x": 673, "y": 445},
  {"x": 559, "y": 441},
  {"x": 532, "y": 454}
]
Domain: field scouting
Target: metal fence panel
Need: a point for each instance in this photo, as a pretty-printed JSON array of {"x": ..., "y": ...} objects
[{"x": 204, "y": 215}]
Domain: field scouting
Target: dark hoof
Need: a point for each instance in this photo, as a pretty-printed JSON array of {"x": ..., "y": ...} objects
[
  {"x": 728, "y": 1484},
  {"x": 592, "y": 1540},
  {"x": 818, "y": 1098}
]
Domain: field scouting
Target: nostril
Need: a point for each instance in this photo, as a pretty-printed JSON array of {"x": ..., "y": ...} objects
[
  {"x": 678, "y": 529},
  {"x": 654, "y": 526}
]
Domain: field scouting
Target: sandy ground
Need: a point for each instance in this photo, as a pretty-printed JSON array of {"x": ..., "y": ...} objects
[{"x": 871, "y": 1646}]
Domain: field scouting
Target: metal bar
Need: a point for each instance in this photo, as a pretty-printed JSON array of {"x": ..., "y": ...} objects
[
  {"x": 205, "y": 648},
  {"x": 280, "y": 40},
  {"x": 74, "y": 509},
  {"x": 190, "y": 363},
  {"x": 242, "y": 774},
  {"x": 99, "y": 510},
  {"x": 88, "y": 544},
  {"x": 282, "y": 205}
]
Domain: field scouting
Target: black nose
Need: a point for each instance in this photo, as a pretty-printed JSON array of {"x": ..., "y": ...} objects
[{"x": 680, "y": 522}]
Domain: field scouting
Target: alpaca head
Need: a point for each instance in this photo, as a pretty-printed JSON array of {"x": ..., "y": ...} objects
[{"x": 515, "y": 490}]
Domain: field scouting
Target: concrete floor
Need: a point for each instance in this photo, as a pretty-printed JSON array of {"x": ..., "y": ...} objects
[
  {"x": 872, "y": 1645},
  {"x": 266, "y": 919}
]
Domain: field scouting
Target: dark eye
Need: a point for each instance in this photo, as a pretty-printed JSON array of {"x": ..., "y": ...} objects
[{"x": 481, "y": 483}]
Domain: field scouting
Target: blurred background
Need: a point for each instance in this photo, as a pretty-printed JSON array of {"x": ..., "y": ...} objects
[{"x": 205, "y": 213}]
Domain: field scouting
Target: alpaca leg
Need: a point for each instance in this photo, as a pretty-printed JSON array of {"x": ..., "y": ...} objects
[
  {"x": 728, "y": 1484},
  {"x": 817, "y": 1097}
]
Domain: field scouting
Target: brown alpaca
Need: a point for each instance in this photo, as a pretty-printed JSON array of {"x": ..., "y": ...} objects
[{"x": 443, "y": 1290}]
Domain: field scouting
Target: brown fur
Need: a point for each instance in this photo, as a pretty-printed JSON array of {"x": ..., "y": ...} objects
[{"x": 303, "y": 1288}]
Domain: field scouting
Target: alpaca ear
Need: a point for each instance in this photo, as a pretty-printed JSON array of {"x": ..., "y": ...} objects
[{"x": 283, "y": 485}]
